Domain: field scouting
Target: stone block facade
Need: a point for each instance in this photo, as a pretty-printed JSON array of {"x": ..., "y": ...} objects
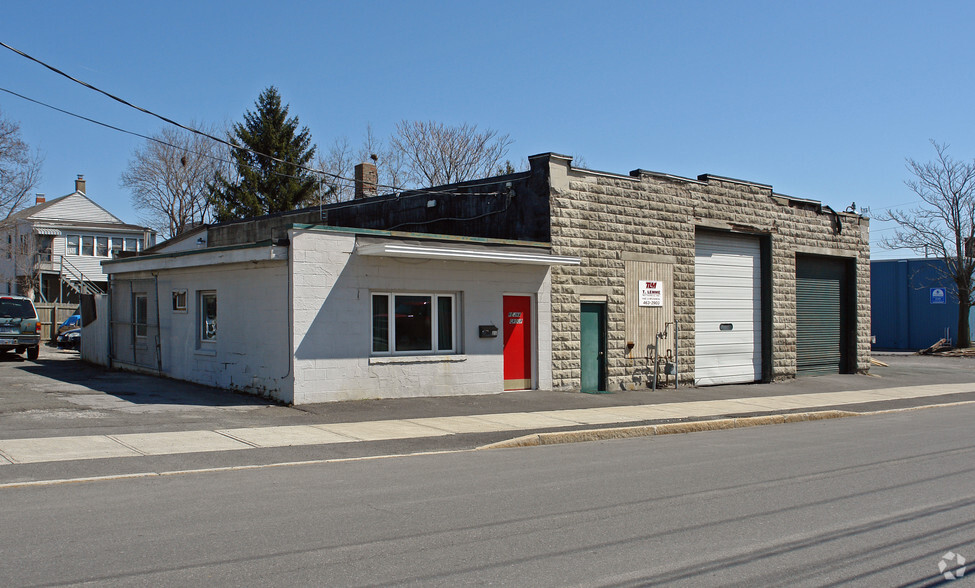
[{"x": 602, "y": 218}]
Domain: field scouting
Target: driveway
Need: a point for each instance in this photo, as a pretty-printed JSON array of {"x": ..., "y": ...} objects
[{"x": 60, "y": 395}]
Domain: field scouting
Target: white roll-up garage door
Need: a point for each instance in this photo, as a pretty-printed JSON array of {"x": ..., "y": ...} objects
[{"x": 728, "y": 309}]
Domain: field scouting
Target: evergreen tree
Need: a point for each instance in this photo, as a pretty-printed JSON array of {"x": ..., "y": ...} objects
[{"x": 265, "y": 185}]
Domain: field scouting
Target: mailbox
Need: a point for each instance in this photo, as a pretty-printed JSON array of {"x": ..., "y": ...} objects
[{"x": 485, "y": 331}]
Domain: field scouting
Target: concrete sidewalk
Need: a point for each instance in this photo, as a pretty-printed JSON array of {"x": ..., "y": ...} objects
[{"x": 93, "y": 447}]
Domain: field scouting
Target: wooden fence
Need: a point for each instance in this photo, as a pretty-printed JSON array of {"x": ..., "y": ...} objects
[{"x": 51, "y": 315}]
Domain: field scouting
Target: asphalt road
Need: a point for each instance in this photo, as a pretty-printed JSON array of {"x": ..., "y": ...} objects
[{"x": 873, "y": 501}]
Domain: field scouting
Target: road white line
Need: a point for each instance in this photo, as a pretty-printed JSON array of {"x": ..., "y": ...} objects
[{"x": 138, "y": 475}]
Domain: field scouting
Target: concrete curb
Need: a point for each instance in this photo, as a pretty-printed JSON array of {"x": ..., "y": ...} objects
[{"x": 558, "y": 437}]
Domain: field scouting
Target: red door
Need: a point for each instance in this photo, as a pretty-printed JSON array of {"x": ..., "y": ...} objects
[{"x": 517, "y": 342}]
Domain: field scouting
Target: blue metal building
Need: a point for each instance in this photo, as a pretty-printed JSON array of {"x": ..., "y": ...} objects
[{"x": 912, "y": 304}]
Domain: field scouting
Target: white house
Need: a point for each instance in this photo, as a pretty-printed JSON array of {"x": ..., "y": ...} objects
[
  {"x": 331, "y": 313},
  {"x": 53, "y": 250}
]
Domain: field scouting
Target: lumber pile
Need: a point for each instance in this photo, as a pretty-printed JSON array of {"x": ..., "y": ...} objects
[
  {"x": 942, "y": 349},
  {"x": 966, "y": 352},
  {"x": 940, "y": 345}
]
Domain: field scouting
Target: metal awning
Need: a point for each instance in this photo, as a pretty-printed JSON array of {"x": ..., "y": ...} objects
[
  {"x": 46, "y": 231},
  {"x": 491, "y": 254}
]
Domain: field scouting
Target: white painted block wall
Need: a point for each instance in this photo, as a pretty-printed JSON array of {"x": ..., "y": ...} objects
[
  {"x": 251, "y": 352},
  {"x": 94, "y": 336},
  {"x": 332, "y": 289}
]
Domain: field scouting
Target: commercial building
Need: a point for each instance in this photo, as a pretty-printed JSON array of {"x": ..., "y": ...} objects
[{"x": 556, "y": 277}]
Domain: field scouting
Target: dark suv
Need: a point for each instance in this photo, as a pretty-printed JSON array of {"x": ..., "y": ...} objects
[{"x": 19, "y": 327}]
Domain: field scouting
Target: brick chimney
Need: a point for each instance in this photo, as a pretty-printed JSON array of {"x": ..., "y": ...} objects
[
  {"x": 366, "y": 179},
  {"x": 79, "y": 184},
  {"x": 39, "y": 199}
]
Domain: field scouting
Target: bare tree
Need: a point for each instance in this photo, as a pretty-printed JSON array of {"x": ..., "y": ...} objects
[
  {"x": 27, "y": 266},
  {"x": 340, "y": 161},
  {"x": 434, "y": 153},
  {"x": 20, "y": 170},
  {"x": 390, "y": 162},
  {"x": 169, "y": 178},
  {"x": 944, "y": 224}
]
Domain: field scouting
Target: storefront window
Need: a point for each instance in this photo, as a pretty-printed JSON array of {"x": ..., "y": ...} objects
[
  {"x": 422, "y": 323},
  {"x": 380, "y": 323}
]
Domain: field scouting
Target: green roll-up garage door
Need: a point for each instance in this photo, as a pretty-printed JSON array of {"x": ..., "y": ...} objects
[{"x": 820, "y": 316}]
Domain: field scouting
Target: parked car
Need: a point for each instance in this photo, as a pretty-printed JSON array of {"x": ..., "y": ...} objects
[
  {"x": 70, "y": 339},
  {"x": 72, "y": 322},
  {"x": 19, "y": 328}
]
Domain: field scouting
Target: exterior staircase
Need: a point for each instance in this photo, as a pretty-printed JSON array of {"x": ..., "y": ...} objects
[
  {"x": 75, "y": 279},
  {"x": 71, "y": 278}
]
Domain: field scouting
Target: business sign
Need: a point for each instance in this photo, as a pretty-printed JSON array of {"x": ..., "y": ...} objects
[
  {"x": 651, "y": 293},
  {"x": 938, "y": 296}
]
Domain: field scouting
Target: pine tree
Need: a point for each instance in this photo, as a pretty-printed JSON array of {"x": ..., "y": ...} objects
[{"x": 265, "y": 185}]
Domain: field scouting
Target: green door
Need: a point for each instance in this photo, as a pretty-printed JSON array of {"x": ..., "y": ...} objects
[
  {"x": 593, "y": 347},
  {"x": 822, "y": 328}
]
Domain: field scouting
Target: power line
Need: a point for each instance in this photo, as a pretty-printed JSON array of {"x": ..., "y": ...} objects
[
  {"x": 211, "y": 137},
  {"x": 161, "y": 117},
  {"x": 331, "y": 206},
  {"x": 114, "y": 128},
  {"x": 133, "y": 133}
]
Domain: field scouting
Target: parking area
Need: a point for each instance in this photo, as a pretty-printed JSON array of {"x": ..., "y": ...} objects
[{"x": 58, "y": 394}]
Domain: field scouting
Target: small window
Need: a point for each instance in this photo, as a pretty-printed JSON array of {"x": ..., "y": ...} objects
[
  {"x": 208, "y": 317},
  {"x": 140, "y": 315},
  {"x": 116, "y": 246},
  {"x": 421, "y": 323},
  {"x": 101, "y": 246},
  {"x": 44, "y": 243},
  {"x": 87, "y": 245},
  {"x": 74, "y": 242},
  {"x": 131, "y": 244},
  {"x": 179, "y": 300}
]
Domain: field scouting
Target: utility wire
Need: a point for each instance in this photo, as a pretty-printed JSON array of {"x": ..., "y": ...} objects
[
  {"x": 114, "y": 128},
  {"x": 207, "y": 135},
  {"x": 331, "y": 206},
  {"x": 161, "y": 117}
]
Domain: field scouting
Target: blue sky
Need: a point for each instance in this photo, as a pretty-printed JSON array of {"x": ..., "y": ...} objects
[{"x": 822, "y": 100}]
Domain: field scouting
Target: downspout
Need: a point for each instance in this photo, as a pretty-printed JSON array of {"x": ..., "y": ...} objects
[
  {"x": 289, "y": 302},
  {"x": 155, "y": 277},
  {"x": 676, "y": 358},
  {"x": 111, "y": 348},
  {"x": 291, "y": 328}
]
